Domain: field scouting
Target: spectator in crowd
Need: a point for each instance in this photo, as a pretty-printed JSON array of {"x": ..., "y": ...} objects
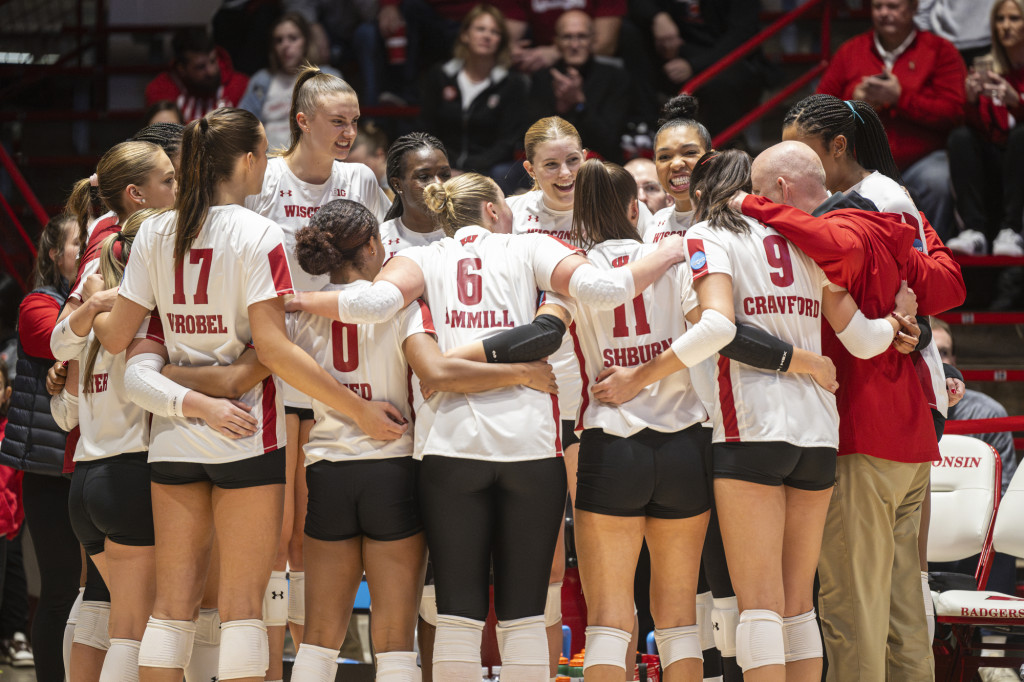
[
  {"x": 592, "y": 95},
  {"x": 915, "y": 81},
  {"x": 370, "y": 148},
  {"x": 534, "y": 27},
  {"x": 472, "y": 102},
  {"x": 986, "y": 157},
  {"x": 164, "y": 111},
  {"x": 242, "y": 28},
  {"x": 342, "y": 31},
  {"x": 269, "y": 95},
  {"x": 685, "y": 38},
  {"x": 201, "y": 77},
  {"x": 648, "y": 190},
  {"x": 14, "y": 645},
  {"x": 959, "y": 22}
]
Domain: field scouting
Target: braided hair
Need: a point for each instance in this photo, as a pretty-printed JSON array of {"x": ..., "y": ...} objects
[
  {"x": 827, "y": 117},
  {"x": 395, "y": 164}
]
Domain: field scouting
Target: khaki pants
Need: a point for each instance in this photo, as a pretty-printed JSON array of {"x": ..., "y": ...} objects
[{"x": 871, "y": 606}]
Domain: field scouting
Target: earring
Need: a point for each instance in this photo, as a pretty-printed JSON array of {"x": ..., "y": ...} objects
[{"x": 143, "y": 200}]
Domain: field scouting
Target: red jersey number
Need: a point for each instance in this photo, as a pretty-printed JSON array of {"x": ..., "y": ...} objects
[
  {"x": 345, "y": 345},
  {"x": 639, "y": 312},
  {"x": 204, "y": 259},
  {"x": 776, "y": 250},
  {"x": 470, "y": 283}
]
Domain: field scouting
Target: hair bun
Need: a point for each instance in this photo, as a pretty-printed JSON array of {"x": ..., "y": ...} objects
[
  {"x": 681, "y": 106},
  {"x": 435, "y": 196}
]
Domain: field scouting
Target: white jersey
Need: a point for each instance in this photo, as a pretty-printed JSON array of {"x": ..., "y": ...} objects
[
  {"x": 395, "y": 236},
  {"x": 667, "y": 221},
  {"x": 369, "y": 360},
  {"x": 477, "y": 284},
  {"x": 111, "y": 424},
  {"x": 531, "y": 215},
  {"x": 777, "y": 288},
  {"x": 632, "y": 335},
  {"x": 237, "y": 260},
  {"x": 889, "y": 197}
]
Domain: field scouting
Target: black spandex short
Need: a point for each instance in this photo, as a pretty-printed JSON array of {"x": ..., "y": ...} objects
[
  {"x": 265, "y": 469},
  {"x": 776, "y": 463},
  {"x": 305, "y": 413},
  {"x": 110, "y": 498},
  {"x": 661, "y": 475},
  {"x": 568, "y": 434},
  {"x": 376, "y": 498}
]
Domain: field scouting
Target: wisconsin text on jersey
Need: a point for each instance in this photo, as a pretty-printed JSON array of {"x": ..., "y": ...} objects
[
  {"x": 774, "y": 305},
  {"x": 560, "y": 234}
]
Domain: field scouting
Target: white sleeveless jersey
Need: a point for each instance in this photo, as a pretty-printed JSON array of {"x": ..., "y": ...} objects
[
  {"x": 530, "y": 215},
  {"x": 395, "y": 236},
  {"x": 631, "y": 335},
  {"x": 237, "y": 259},
  {"x": 666, "y": 222},
  {"x": 776, "y": 288},
  {"x": 111, "y": 424},
  {"x": 291, "y": 203},
  {"x": 889, "y": 197},
  {"x": 369, "y": 360},
  {"x": 477, "y": 284}
]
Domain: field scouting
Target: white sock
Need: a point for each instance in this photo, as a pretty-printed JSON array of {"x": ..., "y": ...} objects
[
  {"x": 315, "y": 664},
  {"x": 69, "y": 631},
  {"x": 121, "y": 663},
  {"x": 397, "y": 666},
  {"x": 457, "y": 649},
  {"x": 205, "y": 661}
]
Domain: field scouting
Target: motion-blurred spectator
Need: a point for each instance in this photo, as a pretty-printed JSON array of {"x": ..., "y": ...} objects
[
  {"x": 915, "y": 80},
  {"x": 242, "y": 28},
  {"x": 959, "y": 22},
  {"x": 269, "y": 95},
  {"x": 590, "y": 94},
  {"x": 370, "y": 148},
  {"x": 648, "y": 190},
  {"x": 986, "y": 157},
  {"x": 342, "y": 31},
  {"x": 14, "y": 644},
  {"x": 201, "y": 77},
  {"x": 533, "y": 28},
  {"x": 687, "y": 38},
  {"x": 164, "y": 111},
  {"x": 473, "y": 103}
]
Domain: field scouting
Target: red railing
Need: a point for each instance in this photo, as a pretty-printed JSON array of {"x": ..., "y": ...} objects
[
  {"x": 749, "y": 46},
  {"x": 18, "y": 180}
]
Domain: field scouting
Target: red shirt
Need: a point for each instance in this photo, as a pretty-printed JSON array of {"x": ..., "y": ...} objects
[
  {"x": 994, "y": 119},
  {"x": 37, "y": 317},
  {"x": 541, "y": 15},
  {"x": 931, "y": 75},
  {"x": 101, "y": 231},
  {"x": 167, "y": 86},
  {"x": 883, "y": 410}
]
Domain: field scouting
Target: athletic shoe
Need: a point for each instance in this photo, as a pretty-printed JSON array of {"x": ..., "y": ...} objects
[
  {"x": 970, "y": 242},
  {"x": 1008, "y": 243},
  {"x": 19, "y": 651}
]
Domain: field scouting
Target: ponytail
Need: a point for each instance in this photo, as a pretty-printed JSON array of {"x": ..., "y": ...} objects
[
  {"x": 459, "y": 202},
  {"x": 718, "y": 176},
  {"x": 601, "y": 200},
  {"x": 79, "y": 208},
  {"x": 311, "y": 87}
]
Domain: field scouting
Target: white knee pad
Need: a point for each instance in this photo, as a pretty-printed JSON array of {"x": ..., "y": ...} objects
[
  {"x": 202, "y": 667},
  {"x": 553, "y": 605},
  {"x": 725, "y": 616},
  {"x": 457, "y": 649},
  {"x": 759, "y": 639},
  {"x": 121, "y": 664},
  {"x": 675, "y": 644},
  {"x": 167, "y": 643},
  {"x": 606, "y": 646},
  {"x": 315, "y": 664},
  {"x": 428, "y": 605},
  {"x": 297, "y": 597},
  {"x": 396, "y": 666},
  {"x": 93, "y": 625},
  {"x": 275, "y": 600},
  {"x": 69, "y": 631},
  {"x": 208, "y": 627},
  {"x": 705, "y": 628},
  {"x": 244, "y": 650},
  {"x": 523, "y": 641},
  {"x": 801, "y": 637}
]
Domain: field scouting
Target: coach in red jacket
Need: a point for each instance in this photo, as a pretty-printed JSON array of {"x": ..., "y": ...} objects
[
  {"x": 872, "y": 609},
  {"x": 915, "y": 80},
  {"x": 201, "y": 77}
]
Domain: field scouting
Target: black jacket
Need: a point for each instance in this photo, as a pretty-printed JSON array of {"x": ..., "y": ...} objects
[
  {"x": 487, "y": 133},
  {"x": 601, "y": 120}
]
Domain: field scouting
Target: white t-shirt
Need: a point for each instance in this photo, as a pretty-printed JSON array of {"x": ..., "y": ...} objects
[
  {"x": 531, "y": 215},
  {"x": 632, "y": 335},
  {"x": 396, "y": 236},
  {"x": 477, "y": 284},
  {"x": 776, "y": 288},
  {"x": 889, "y": 197},
  {"x": 369, "y": 360},
  {"x": 665, "y": 222},
  {"x": 111, "y": 424},
  {"x": 237, "y": 259},
  {"x": 276, "y": 109}
]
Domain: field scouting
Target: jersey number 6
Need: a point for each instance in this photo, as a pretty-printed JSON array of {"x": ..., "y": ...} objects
[
  {"x": 776, "y": 250},
  {"x": 470, "y": 283}
]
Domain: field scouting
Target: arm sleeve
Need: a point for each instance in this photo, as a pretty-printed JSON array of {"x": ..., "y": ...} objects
[
  {"x": 704, "y": 339},
  {"x": 64, "y": 343},
  {"x": 935, "y": 277},
  {"x": 64, "y": 408},
  {"x": 758, "y": 348},
  {"x": 866, "y": 338},
  {"x": 940, "y": 103},
  {"x": 151, "y": 390},
  {"x": 36, "y": 320},
  {"x": 377, "y": 303},
  {"x": 601, "y": 289},
  {"x": 527, "y": 342}
]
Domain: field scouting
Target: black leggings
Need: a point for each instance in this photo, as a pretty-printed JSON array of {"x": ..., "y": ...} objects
[
  {"x": 60, "y": 567},
  {"x": 14, "y": 607},
  {"x": 476, "y": 510}
]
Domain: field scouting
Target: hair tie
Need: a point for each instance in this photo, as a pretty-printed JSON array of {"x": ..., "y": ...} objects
[
  {"x": 855, "y": 113},
  {"x": 708, "y": 158},
  {"x": 116, "y": 249},
  {"x": 204, "y": 125},
  {"x": 94, "y": 180}
]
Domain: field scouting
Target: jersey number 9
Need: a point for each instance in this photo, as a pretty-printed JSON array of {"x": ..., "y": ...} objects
[{"x": 776, "y": 250}]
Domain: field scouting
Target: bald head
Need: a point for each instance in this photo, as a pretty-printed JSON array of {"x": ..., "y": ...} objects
[
  {"x": 790, "y": 173},
  {"x": 574, "y": 37}
]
